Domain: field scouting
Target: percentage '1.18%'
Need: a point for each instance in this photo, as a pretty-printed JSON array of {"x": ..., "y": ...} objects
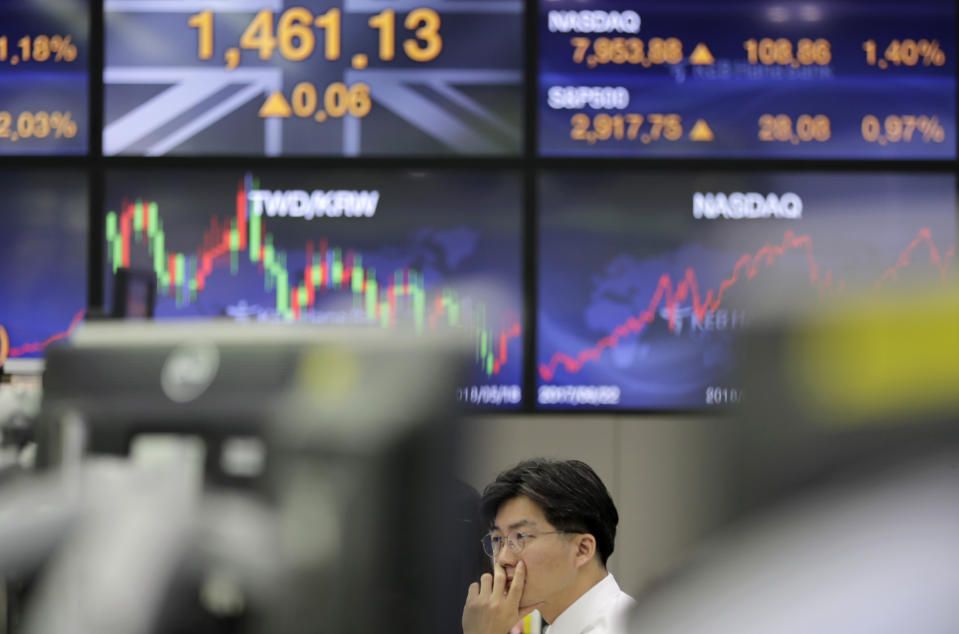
[
  {"x": 37, "y": 125},
  {"x": 41, "y": 48}
]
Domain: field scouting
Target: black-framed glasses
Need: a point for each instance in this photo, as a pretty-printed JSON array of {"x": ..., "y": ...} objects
[{"x": 515, "y": 540}]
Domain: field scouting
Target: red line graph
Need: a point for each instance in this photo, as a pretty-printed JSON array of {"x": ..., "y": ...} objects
[
  {"x": 29, "y": 348},
  {"x": 747, "y": 266},
  {"x": 904, "y": 259}
]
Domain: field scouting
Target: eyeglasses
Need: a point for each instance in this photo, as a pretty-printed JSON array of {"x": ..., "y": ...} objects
[{"x": 493, "y": 544}]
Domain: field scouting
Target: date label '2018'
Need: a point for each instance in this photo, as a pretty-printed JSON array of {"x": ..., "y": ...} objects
[{"x": 723, "y": 396}]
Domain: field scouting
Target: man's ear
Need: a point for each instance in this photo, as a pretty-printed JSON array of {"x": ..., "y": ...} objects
[{"x": 585, "y": 549}]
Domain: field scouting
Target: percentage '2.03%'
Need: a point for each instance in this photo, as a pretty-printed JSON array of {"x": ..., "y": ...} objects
[{"x": 39, "y": 125}]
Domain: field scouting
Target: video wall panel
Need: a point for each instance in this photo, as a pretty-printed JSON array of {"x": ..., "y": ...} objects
[
  {"x": 43, "y": 259},
  {"x": 44, "y": 77},
  {"x": 393, "y": 164},
  {"x": 747, "y": 79},
  {"x": 413, "y": 251},
  {"x": 647, "y": 277},
  {"x": 313, "y": 78}
]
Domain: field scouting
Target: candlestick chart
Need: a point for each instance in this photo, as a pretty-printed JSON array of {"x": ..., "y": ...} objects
[
  {"x": 43, "y": 254},
  {"x": 416, "y": 253},
  {"x": 671, "y": 268}
]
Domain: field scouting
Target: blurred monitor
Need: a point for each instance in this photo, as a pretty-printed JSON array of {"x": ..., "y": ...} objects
[
  {"x": 358, "y": 437},
  {"x": 838, "y": 480},
  {"x": 838, "y": 557}
]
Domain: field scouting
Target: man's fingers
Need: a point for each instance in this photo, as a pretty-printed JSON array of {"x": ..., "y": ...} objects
[
  {"x": 519, "y": 582},
  {"x": 486, "y": 584},
  {"x": 473, "y": 591},
  {"x": 499, "y": 580}
]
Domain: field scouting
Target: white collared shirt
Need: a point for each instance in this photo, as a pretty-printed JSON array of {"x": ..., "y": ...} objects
[{"x": 601, "y": 610}]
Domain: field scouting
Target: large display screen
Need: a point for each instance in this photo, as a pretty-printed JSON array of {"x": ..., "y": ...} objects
[
  {"x": 43, "y": 259},
  {"x": 645, "y": 278},
  {"x": 412, "y": 251},
  {"x": 44, "y": 77},
  {"x": 314, "y": 77},
  {"x": 866, "y": 79}
]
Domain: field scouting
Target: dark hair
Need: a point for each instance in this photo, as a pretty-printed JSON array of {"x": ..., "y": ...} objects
[{"x": 572, "y": 497}]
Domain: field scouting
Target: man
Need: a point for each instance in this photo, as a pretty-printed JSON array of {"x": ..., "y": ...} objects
[{"x": 552, "y": 528}]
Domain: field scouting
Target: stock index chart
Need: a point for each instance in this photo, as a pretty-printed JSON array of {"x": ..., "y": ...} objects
[
  {"x": 43, "y": 256},
  {"x": 416, "y": 252},
  {"x": 317, "y": 77},
  {"x": 647, "y": 278},
  {"x": 44, "y": 80},
  {"x": 748, "y": 79}
]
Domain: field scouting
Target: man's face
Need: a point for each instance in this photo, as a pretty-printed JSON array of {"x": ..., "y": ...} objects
[{"x": 550, "y": 558}]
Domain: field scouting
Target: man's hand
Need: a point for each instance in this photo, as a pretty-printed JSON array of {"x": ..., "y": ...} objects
[{"x": 489, "y": 608}]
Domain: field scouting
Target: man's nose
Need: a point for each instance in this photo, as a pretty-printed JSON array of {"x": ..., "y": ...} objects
[{"x": 506, "y": 557}]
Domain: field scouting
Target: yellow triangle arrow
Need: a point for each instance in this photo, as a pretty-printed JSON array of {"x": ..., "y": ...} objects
[
  {"x": 701, "y": 56},
  {"x": 276, "y": 105},
  {"x": 701, "y": 131}
]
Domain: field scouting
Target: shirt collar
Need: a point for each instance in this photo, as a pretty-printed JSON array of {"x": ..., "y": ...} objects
[{"x": 594, "y": 604}]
